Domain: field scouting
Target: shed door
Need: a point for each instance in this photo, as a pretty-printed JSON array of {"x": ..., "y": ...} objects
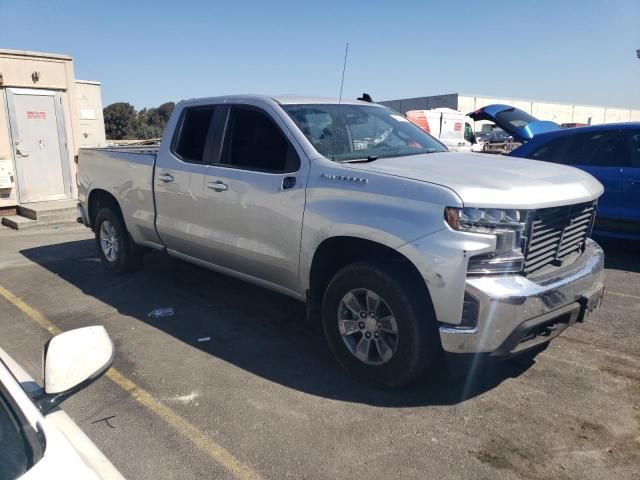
[{"x": 37, "y": 131}]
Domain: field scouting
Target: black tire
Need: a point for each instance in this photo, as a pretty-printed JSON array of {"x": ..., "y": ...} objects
[
  {"x": 417, "y": 341},
  {"x": 127, "y": 255}
]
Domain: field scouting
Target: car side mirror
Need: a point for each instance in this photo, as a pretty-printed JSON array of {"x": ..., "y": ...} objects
[{"x": 72, "y": 361}]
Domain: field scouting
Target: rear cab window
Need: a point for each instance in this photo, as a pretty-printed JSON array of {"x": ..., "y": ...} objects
[{"x": 190, "y": 140}]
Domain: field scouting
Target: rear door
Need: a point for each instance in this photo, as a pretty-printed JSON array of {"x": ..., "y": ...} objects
[
  {"x": 256, "y": 196},
  {"x": 182, "y": 218}
]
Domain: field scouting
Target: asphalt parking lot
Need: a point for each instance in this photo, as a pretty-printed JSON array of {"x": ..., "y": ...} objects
[{"x": 263, "y": 397}]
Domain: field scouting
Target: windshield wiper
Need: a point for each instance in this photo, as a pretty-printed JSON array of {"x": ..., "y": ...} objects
[{"x": 370, "y": 158}]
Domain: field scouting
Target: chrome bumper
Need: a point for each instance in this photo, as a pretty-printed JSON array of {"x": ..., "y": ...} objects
[{"x": 512, "y": 308}]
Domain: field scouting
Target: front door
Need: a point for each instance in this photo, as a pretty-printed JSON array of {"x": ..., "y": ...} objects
[
  {"x": 39, "y": 145},
  {"x": 256, "y": 198}
]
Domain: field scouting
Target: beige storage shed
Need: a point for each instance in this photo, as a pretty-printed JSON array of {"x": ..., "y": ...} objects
[{"x": 45, "y": 116}]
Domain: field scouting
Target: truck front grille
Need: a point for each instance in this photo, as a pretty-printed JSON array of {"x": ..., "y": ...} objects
[{"x": 554, "y": 234}]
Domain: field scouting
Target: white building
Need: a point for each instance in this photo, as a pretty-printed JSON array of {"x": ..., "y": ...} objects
[{"x": 556, "y": 112}]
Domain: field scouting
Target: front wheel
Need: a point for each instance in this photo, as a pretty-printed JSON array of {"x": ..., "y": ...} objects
[
  {"x": 116, "y": 249},
  {"x": 378, "y": 324}
]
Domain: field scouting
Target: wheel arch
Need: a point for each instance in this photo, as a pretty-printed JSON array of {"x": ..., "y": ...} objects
[
  {"x": 335, "y": 253},
  {"x": 98, "y": 199}
]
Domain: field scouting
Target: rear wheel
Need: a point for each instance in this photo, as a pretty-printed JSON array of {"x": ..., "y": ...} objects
[
  {"x": 117, "y": 251},
  {"x": 378, "y": 324}
]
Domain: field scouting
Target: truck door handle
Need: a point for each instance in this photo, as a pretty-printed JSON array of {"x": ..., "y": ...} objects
[
  {"x": 218, "y": 186},
  {"x": 288, "y": 182},
  {"x": 165, "y": 177}
]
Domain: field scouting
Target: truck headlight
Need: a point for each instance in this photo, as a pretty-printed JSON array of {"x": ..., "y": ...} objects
[{"x": 508, "y": 226}]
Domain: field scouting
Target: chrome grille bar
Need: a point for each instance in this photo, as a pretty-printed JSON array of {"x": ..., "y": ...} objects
[{"x": 556, "y": 233}]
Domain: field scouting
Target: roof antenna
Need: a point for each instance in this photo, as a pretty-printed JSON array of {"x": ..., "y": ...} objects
[
  {"x": 344, "y": 68},
  {"x": 336, "y": 125}
]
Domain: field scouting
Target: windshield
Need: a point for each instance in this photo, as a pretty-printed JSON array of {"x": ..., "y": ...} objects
[{"x": 352, "y": 132}]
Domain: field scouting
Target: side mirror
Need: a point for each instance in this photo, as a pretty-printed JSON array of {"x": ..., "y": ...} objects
[{"x": 72, "y": 361}]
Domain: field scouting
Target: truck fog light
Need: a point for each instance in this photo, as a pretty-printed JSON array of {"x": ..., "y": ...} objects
[{"x": 470, "y": 311}]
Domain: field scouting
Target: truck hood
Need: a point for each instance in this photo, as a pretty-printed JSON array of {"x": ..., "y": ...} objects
[
  {"x": 484, "y": 180},
  {"x": 522, "y": 126}
]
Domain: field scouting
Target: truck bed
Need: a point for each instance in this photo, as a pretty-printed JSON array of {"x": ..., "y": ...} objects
[{"x": 127, "y": 170}]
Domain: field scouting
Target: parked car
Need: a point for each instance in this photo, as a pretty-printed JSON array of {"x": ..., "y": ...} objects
[
  {"x": 38, "y": 440},
  {"x": 400, "y": 248},
  {"x": 494, "y": 141},
  {"x": 611, "y": 153},
  {"x": 497, "y": 136}
]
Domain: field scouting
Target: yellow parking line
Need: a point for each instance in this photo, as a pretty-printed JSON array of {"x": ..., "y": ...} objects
[
  {"x": 187, "y": 429},
  {"x": 30, "y": 311},
  {"x": 623, "y": 295}
]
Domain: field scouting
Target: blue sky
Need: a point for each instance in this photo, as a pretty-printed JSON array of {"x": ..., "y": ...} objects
[{"x": 148, "y": 52}]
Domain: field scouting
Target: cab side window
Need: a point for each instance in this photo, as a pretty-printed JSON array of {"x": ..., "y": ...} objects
[
  {"x": 254, "y": 142},
  {"x": 612, "y": 151},
  {"x": 555, "y": 151},
  {"x": 192, "y": 132},
  {"x": 598, "y": 149}
]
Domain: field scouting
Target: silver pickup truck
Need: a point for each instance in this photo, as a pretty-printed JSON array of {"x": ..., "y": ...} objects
[{"x": 400, "y": 248}]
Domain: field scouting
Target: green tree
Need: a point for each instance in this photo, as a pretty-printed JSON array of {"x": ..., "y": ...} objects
[
  {"x": 119, "y": 121},
  {"x": 150, "y": 123},
  {"x": 122, "y": 122}
]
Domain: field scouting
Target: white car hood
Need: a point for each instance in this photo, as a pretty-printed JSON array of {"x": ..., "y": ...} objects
[{"x": 484, "y": 180}]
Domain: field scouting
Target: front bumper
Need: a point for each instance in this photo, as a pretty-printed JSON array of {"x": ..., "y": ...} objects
[{"x": 516, "y": 313}]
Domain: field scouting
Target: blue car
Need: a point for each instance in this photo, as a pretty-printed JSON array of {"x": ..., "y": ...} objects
[{"x": 609, "y": 152}]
